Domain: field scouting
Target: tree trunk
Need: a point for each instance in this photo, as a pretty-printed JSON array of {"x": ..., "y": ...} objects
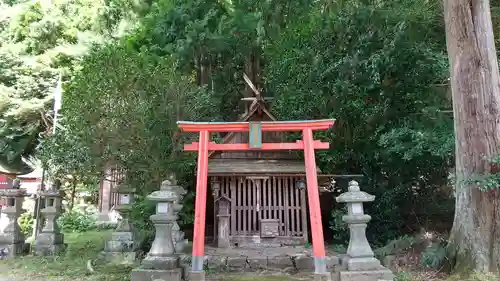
[
  {"x": 475, "y": 237},
  {"x": 73, "y": 194}
]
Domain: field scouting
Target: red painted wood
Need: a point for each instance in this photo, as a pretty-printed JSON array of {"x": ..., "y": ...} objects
[
  {"x": 313, "y": 195},
  {"x": 308, "y": 144},
  {"x": 274, "y": 126},
  {"x": 201, "y": 196},
  {"x": 299, "y": 145}
]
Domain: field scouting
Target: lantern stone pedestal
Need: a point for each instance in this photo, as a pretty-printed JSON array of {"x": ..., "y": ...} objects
[
  {"x": 121, "y": 248},
  {"x": 12, "y": 240},
  {"x": 361, "y": 262},
  {"x": 50, "y": 240},
  {"x": 162, "y": 262}
]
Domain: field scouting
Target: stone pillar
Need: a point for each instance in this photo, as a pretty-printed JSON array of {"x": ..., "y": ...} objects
[
  {"x": 162, "y": 262},
  {"x": 12, "y": 240},
  {"x": 50, "y": 240},
  {"x": 223, "y": 216},
  {"x": 361, "y": 262},
  {"x": 121, "y": 248}
]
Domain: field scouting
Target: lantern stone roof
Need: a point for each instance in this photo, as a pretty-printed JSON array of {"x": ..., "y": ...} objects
[{"x": 223, "y": 197}]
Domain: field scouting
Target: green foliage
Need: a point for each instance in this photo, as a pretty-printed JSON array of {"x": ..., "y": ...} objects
[
  {"x": 402, "y": 276},
  {"x": 214, "y": 40},
  {"x": 434, "y": 257},
  {"x": 122, "y": 107},
  {"x": 396, "y": 246},
  {"x": 491, "y": 177},
  {"x": 339, "y": 227},
  {"x": 38, "y": 41},
  {"x": 142, "y": 209},
  {"x": 371, "y": 65},
  {"x": 26, "y": 224},
  {"x": 374, "y": 71},
  {"x": 76, "y": 220},
  {"x": 186, "y": 216}
]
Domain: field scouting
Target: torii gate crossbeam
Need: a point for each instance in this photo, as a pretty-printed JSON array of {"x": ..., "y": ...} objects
[{"x": 255, "y": 129}]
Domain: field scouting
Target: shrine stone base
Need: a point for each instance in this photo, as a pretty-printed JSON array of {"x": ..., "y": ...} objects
[
  {"x": 141, "y": 274},
  {"x": 369, "y": 275},
  {"x": 120, "y": 249},
  {"x": 49, "y": 244},
  {"x": 196, "y": 276},
  {"x": 290, "y": 260},
  {"x": 49, "y": 250},
  {"x": 14, "y": 250},
  {"x": 120, "y": 257},
  {"x": 322, "y": 277}
]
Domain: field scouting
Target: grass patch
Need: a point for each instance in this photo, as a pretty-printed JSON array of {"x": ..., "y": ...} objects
[
  {"x": 259, "y": 278},
  {"x": 475, "y": 277},
  {"x": 71, "y": 264}
]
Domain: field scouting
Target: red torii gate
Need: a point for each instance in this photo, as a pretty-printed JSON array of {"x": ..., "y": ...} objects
[{"x": 307, "y": 144}]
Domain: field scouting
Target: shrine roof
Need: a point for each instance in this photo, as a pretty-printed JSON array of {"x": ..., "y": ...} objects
[
  {"x": 255, "y": 166},
  {"x": 17, "y": 168}
]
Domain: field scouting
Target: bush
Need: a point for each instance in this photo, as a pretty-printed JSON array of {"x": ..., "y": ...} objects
[
  {"x": 434, "y": 256},
  {"x": 76, "y": 220},
  {"x": 339, "y": 227},
  {"x": 402, "y": 276},
  {"x": 26, "y": 223}
]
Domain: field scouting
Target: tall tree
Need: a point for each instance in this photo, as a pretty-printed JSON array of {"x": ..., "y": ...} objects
[{"x": 475, "y": 237}]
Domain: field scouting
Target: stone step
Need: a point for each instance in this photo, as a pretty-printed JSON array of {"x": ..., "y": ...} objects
[{"x": 299, "y": 262}]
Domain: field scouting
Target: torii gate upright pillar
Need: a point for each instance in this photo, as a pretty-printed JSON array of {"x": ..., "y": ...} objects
[{"x": 307, "y": 144}]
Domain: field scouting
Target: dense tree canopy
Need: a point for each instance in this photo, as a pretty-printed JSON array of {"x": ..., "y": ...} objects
[{"x": 40, "y": 40}]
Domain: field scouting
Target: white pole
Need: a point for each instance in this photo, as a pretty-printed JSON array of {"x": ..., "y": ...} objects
[{"x": 57, "y": 102}]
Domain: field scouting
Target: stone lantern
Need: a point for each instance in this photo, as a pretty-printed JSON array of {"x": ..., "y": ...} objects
[
  {"x": 360, "y": 258},
  {"x": 162, "y": 262},
  {"x": 50, "y": 240},
  {"x": 12, "y": 240},
  {"x": 122, "y": 245}
]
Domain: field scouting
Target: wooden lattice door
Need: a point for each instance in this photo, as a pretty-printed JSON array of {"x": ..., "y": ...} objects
[{"x": 266, "y": 198}]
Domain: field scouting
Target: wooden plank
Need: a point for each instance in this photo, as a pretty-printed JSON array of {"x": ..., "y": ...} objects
[
  {"x": 303, "y": 206},
  {"x": 232, "y": 184},
  {"x": 280, "y": 207},
  {"x": 259, "y": 202},
  {"x": 273, "y": 126},
  {"x": 268, "y": 201},
  {"x": 216, "y": 220},
  {"x": 275, "y": 200},
  {"x": 287, "y": 207},
  {"x": 293, "y": 230},
  {"x": 255, "y": 135},
  {"x": 245, "y": 198},
  {"x": 249, "y": 211},
  {"x": 299, "y": 145},
  {"x": 240, "y": 210},
  {"x": 256, "y": 207},
  {"x": 298, "y": 229}
]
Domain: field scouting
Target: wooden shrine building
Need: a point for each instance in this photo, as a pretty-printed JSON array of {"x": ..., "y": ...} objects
[{"x": 264, "y": 191}]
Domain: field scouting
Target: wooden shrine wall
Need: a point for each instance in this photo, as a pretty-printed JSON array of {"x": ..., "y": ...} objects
[
  {"x": 112, "y": 176},
  {"x": 273, "y": 198}
]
